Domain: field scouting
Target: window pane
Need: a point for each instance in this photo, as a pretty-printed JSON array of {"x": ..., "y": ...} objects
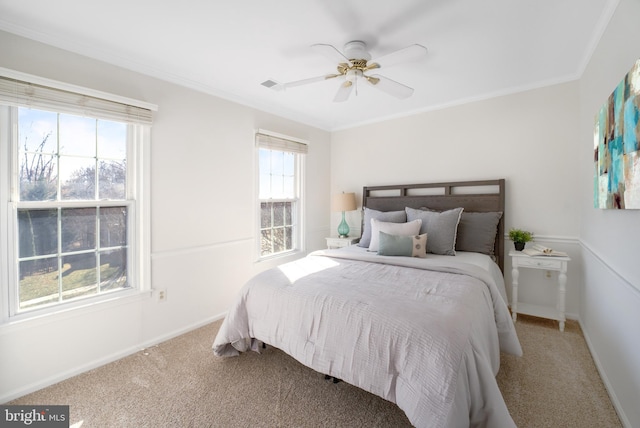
[
  {"x": 288, "y": 238},
  {"x": 278, "y": 240},
  {"x": 265, "y": 214},
  {"x": 265, "y": 242},
  {"x": 37, "y": 131},
  {"x": 38, "y": 282},
  {"x": 79, "y": 275},
  {"x": 277, "y": 162},
  {"x": 277, "y": 186},
  {"x": 112, "y": 140},
  {"x": 78, "y": 176},
  {"x": 264, "y": 160},
  {"x": 288, "y": 214},
  {"x": 278, "y": 214},
  {"x": 265, "y": 186},
  {"x": 288, "y": 189},
  {"x": 289, "y": 164},
  {"x": 37, "y": 232},
  {"x": 78, "y": 229},
  {"x": 113, "y": 270},
  {"x": 113, "y": 227},
  {"x": 77, "y": 135},
  {"x": 112, "y": 179},
  {"x": 38, "y": 177}
]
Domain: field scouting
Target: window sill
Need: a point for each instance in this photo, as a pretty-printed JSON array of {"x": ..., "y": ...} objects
[
  {"x": 278, "y": 259},
  {"x": 34, "y": 319}
]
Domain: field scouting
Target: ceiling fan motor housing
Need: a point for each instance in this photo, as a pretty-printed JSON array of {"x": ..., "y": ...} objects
[{"x": 355, "y": 50}]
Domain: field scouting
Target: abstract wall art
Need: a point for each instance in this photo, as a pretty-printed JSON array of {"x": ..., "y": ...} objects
[{"x": 617, "y": 146}]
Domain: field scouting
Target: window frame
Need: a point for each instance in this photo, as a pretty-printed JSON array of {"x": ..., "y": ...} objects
[
  {"x": 136, "y": 200},
  {"x": 298, "y": 212}
]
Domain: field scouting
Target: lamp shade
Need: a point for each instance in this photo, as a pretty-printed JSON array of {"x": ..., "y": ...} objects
[{"x": 344, "y": 202}]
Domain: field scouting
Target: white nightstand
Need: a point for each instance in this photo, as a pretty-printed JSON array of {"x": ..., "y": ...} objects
[
  {"x": 559, "y": 264},
  {"x": 336, "y": 242}
]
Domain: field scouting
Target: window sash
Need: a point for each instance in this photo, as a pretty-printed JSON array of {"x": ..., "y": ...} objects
[
  {"x": 99, "y": 250},
  {"x": 283, "y": 226}
]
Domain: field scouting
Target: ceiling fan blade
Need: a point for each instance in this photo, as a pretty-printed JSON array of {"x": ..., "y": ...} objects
[
  {"x": 403, "y": 55},
  {"x": 389, "y": 86},
  {"x": 343, "y": 92},
  {"x": 282, "y": 86},
  {"x": 331, "y": 53}
]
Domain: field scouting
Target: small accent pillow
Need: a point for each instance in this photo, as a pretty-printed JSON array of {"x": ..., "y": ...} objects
[
  {"x": 398, "y": 245},
  {"x": 477, "y": 232},
  {"x": 404, "y": 229},
  {"x": 441, "y": 227},
  {"x": 388, "y": 216}
]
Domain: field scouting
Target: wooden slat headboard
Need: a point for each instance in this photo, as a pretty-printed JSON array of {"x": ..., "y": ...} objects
[{"x": 473, "y": 196}]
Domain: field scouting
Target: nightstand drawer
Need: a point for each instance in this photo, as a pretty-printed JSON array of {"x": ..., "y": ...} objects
[
  {"x": 336, "y": 242},
  {"x": 539, "y": 263}
]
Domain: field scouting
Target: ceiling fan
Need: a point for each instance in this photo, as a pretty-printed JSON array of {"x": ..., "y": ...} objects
[{"x": 353, "y": 66}]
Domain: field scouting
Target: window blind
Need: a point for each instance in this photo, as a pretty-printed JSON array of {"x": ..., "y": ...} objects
[
  {"x": 277, "y": 143},
  {"x": 15, "y": 92}
]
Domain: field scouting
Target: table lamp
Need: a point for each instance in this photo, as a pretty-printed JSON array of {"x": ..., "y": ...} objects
[{"x": 343, "y": 202}]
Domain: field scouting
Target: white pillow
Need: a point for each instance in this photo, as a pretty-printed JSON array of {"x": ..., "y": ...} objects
[{"x": 409, "y": 228}]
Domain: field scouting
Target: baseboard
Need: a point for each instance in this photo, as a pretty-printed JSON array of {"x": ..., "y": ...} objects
[
  {"x": 572, "y": 316},
  {"x": 181, "y": 331},
  {"x": 36, "y": 386},
  {"x": 612, "y": 395}
]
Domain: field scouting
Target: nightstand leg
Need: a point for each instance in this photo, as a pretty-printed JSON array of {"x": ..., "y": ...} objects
[
  {"x": 514, "y": 292},
  {"x": 562, "y": 281}
]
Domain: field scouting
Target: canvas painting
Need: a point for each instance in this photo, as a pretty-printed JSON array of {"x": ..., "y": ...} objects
[{"x": 617, "y": 146}]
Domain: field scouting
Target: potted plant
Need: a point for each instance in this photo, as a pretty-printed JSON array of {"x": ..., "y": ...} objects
[{"x": 520, "y": 238}]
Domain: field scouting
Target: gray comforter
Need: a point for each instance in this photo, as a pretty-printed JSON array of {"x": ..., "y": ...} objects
[{"x": 425, "y": 334}]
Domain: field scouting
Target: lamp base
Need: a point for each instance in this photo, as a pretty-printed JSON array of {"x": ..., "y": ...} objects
[{"x": 343, "y": 228}]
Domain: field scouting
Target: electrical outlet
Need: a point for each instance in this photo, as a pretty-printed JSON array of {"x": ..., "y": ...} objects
[
  {"x": 547, "y": 273},
  {"x": 162, "y": 295}
]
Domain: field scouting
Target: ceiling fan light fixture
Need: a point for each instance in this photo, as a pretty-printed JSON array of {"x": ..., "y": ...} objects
[{"x": 353, "y": 75}]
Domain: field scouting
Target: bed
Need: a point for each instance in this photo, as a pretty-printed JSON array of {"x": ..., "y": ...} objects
[{"x": 419, "y": 325}]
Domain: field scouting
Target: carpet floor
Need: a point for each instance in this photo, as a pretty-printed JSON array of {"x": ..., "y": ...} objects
[{"x": 180, "y": 383}]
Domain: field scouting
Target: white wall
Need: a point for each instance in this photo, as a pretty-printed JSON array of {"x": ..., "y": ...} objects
[
  {"x": 610, "y": 300},
  {"x": 527, "y": 138},
  {"x": 202, "y": 220}
]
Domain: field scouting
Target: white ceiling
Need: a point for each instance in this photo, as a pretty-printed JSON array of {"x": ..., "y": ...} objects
[{"x": 476, "y": 49}]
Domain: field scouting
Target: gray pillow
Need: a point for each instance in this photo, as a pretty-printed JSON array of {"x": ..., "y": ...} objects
[
  {"x": 477, "y": 232},
  {"x": 440, "y": 227},
  {"x": 388, "y": 216},
  {"x": 398, "y": 245}
]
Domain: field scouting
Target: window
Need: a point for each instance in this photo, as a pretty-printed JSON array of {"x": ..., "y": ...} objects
[
  {"x": 280, "y": 166},
  {"x": 72, "y": 191}
]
